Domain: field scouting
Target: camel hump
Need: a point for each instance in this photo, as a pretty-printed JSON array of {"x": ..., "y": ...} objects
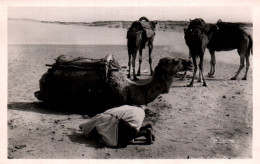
[
  {"x": 144, "y": 19},
  {"x": 148, "y": 27},
  {"x": 198, "y": 23},
  {"x": 228, "y": 25},
  {"x": 146, "y": 24},
  {"x": 229, "y": 28}
]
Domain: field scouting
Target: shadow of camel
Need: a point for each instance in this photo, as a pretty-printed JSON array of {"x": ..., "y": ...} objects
[
  {"x": 37, "y": 107},
  {"x": 214, "y": 79}
]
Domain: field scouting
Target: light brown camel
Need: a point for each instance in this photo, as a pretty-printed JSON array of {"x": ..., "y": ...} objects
[
  {"x": 137, "y": 39},
  {"x": 133, "y": 93},
  {"x": 61, "y": 89},
  {"x": 197, "y": 37},
  {"x": 228, "y": 37}
]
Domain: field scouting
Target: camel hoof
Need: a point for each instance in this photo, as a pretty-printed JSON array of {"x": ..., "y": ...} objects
[
  {"x": 244, "y": 78},
  {"x": 233, "y": 78},
  {"x": 205, "y": 85},
  {"x": 211, "y": 75},
  {"x": 190, "y": 85},
  {"x": 135, "y": 79},
  {"x": 138, "y": 74}
]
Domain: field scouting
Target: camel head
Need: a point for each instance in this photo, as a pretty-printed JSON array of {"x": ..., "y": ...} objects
[
  {"x": 135, "y": 30},
  {"x": 173, "y": 65},
  {"x": 212, "y": 29},
  {"x": 184, "y": 29},
  {"x": 136, "y": 26},
  {"x": 198, "y": 22},
  {"x": 153, "y": 24}
]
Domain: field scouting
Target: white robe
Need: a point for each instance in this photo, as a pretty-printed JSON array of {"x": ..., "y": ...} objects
[{"x": 106, "y": 123}]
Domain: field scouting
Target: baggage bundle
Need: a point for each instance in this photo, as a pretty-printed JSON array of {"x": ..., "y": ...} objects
[
  {"x": 147, "y": 27},
  {"x": 76, "y": 82}
]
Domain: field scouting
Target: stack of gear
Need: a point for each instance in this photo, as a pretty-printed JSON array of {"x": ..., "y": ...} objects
[
  {"x": 147, "y": 27},
  {"x": 73, "y": 82}
]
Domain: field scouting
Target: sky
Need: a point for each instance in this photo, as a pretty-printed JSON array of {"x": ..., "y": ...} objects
[{"x": 89, "y": 14}]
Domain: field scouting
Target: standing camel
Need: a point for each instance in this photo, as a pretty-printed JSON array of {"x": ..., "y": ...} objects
[
  {"x": 228, "y": 37},
  {"x": 137, "y": 39},
  {"x": 197, "y": 37}
]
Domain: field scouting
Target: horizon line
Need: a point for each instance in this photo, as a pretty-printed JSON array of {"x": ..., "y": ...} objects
[{"x": 57, "y": 21}]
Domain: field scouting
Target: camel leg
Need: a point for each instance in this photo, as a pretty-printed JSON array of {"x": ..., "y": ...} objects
[
  {"x": 194, "y": 71},
  {"x": 182, "y": 78},
  {"x": 129, "y": 65},
  {"x": 150, "y": 58},
  {"x": 242, "y": 65},
  {"x": 199, "y": 80},
  {"x": 133, "y": 64},
  {"x": 184, "y": 74},
  {"x": 201, "y": 71},
  {"x": 140, "y": 61},
  {"x": 247, "y": 65},
  {"x": 212, "y": 63}
]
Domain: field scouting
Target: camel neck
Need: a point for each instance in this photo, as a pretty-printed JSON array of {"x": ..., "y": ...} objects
[
  {"x": 164, "y": 81},
  {"x": 158, "y": 86}
]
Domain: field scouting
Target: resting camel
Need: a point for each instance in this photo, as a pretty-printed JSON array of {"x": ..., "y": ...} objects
[
  {"x": 62, "y": 89},
  {"x": 137, "y": 40},
  {"x": 228, "y": 37},
  {"x": 197, "y": 37}
]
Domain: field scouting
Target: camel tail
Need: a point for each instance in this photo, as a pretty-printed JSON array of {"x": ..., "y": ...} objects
[{"x": 250, "y": 47}]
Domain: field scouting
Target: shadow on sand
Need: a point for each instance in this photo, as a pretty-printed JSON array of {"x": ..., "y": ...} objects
[
  {"x": 37, "y": 107},
  {"x": 139, "y": 141},
  {"x": 81, "y": 139}
]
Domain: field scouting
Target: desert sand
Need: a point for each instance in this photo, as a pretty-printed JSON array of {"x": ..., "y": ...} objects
[{"x": 197, "y": 122}]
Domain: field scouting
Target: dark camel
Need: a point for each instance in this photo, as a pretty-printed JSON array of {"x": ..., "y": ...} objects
[
  {"x": 228, "y": 37},
  {"x": 197, "y": 37},
  {"x": 137, "y": 40},
  {"x": 60, "y": 88}
]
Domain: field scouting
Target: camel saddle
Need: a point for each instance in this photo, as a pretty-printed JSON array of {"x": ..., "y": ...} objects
[
  {"x": 75, "y": 80},
  {"x": 147, "y": 27}
]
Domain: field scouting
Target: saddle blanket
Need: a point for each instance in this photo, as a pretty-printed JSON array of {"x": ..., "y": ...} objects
[
  {"x": 145, "y": 24},
  {"x": 148, "y": 29},
  {"x": 149, "y": 33}
]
